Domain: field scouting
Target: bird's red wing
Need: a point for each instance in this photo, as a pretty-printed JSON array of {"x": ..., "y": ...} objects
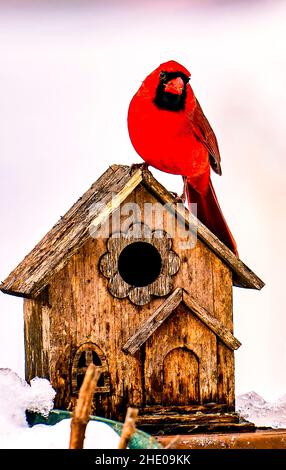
[{"x": 206, "y": 135}]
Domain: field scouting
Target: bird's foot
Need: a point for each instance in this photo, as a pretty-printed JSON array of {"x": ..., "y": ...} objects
[
  {"x": 177, "y": 197},
  {"x": 183, "y": 197},
  {"x": 136, "y": 166}
]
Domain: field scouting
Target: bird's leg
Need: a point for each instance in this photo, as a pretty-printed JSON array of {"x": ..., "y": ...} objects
[
  {"x": 135, "y": 166},
  {"x": 184, "y": 195}
]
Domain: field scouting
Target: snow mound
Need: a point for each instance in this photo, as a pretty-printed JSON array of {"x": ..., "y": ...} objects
[
  {"x": 98, "y": 436},
  {"x": 16, "y": 396},
  {"x": 41, "y": 396},
  {"x": 254, "y": 408}
]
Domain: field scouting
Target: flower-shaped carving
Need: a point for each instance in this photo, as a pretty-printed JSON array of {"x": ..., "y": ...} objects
[{"x": 139, "y": 264}]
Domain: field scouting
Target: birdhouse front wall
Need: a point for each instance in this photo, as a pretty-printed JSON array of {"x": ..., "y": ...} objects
[
  {"x": 181, "y": 362},
  {"x": 79, "y": 320}
]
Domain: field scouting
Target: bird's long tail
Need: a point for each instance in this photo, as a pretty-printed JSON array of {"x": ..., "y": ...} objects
[{"x": 210, "y": 214}]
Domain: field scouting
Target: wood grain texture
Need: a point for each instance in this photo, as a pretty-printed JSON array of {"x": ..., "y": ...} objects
[
  {"x": 181, "y": 382},
  {"x": 203, "y": 427},
  {"x": 189, "y": 418},
  {"x": 181, "y": 330},
  {"x": 184, "y": 409},
  {"x": 156, "y": 319},
  {"x": 166, "y": 308},
  {"x": 36, "y": 340},
  {"x": 171, "y": 422},
  {"x": 222, "y": 309},
  {"x": 213, "y": 323}
]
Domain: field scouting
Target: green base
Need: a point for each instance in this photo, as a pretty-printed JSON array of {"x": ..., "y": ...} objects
[{"x": 140, "y": 439}]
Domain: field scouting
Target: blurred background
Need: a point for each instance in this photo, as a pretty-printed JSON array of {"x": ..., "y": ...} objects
[{"x": 68, "y": 70}]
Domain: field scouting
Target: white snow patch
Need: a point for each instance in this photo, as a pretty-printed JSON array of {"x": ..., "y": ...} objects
[
  {"x": 260, "y": 412},
  {"x": 98, "y": 436},
  {"x": 16, "y": 396}
]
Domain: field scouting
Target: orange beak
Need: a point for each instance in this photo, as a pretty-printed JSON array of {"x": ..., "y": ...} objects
[{"x": 176, "y": 86}]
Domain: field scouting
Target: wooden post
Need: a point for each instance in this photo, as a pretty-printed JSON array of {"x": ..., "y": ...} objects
[
  {"x": 128, "y": 427},
  {"x": 83, "y": 407}
]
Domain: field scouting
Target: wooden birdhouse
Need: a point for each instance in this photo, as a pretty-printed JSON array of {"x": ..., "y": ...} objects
[{"x": 128, "y": 279}]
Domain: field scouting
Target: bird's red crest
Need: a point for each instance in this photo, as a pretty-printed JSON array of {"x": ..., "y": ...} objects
[
  {"x": 173, "y": 66},
  {"x": 151, "y": 81}
]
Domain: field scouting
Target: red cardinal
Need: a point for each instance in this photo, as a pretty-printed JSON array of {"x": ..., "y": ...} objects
[{"x": 169, "y": 130}]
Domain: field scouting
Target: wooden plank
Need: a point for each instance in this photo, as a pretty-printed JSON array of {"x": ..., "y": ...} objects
[
  {"x": 243, "y": 276},
  {"x": 147, "y": 329},
  {"x": 261, "y": 439},
  {"x": 192, "y": 428},
  {"x": 181, "y": 377},
  {"x": 222, "y": 309},
  {"x": 196, "y": 419},
  {"x": 215, "y": 325},
  {"x": 226, "y": 375},
  {"x": 36, "y": 343},
  {"x": 186, "y": 409},
  {"x": 33, "y": 339}
]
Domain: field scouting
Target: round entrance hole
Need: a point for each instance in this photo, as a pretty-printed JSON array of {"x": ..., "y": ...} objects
[{"x": 139, "y": 264}]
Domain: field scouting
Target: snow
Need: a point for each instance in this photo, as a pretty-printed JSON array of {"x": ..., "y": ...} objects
[
  {"x": 98, "y": 436},
  {"x": 260, "y": 412},
  {"x": 17, "y": 396}
]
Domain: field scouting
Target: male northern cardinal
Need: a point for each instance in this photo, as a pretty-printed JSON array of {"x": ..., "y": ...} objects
[{"x": 169, "y": 130}]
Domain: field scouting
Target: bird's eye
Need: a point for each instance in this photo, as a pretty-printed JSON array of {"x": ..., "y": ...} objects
[{"x": 163, "y": 75}]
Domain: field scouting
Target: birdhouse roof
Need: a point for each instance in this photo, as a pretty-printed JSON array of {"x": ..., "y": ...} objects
[
  {"x": 52, "y": 253},
  {"x": 163, "y": 312}
]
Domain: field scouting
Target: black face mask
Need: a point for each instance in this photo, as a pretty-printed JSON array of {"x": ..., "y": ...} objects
[{"x": 170, "y": 101}]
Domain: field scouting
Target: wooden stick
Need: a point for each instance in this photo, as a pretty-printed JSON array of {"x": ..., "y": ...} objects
[
  {"x": 129, "y": 427},
  {"x": 83, "y": 407}
]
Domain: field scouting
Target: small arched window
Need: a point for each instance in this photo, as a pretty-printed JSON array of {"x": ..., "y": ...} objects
[{"x": 86, "y": 354}]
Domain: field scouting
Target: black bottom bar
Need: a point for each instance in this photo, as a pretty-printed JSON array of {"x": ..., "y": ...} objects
[{"x": 131, "y": 458}]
